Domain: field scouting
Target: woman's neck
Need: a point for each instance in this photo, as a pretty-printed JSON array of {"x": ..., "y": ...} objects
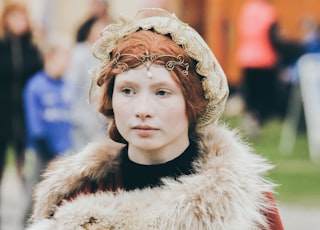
[{"x": 140, "y": 176}]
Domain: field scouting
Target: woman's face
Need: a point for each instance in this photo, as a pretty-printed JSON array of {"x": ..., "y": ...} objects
[
  {"x": 17, "y": 22},
  {"x": 150, "y": 114}
]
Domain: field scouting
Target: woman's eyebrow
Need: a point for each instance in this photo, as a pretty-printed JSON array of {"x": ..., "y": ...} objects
[{"x": 126, "y": 82}]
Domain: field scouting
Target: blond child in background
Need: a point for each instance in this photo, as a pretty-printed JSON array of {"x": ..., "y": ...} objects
[{"x": 47, "y": 99}]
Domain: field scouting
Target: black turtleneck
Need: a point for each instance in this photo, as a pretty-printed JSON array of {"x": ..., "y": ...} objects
[{"x": 140, "y": 176}]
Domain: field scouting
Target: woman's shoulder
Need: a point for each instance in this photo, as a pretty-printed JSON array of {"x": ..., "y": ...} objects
[
  {"x": 227, "y": 148},
  {"x": 65, "y": 175}
]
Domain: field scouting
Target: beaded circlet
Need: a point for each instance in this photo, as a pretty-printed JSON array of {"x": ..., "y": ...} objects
[{"x": 148, "y": 59}]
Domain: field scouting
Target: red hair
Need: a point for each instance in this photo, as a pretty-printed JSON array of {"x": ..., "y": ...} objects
[{"x": 157, "y": 44}]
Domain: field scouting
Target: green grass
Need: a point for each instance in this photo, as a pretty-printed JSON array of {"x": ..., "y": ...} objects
[{"x": 298, "y": 177}]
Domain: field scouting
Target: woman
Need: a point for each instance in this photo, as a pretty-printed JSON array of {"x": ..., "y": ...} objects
[
  {"x": 257, "y": 58},
  {"x": 19, "y": 59},
  {"x": 167, "y": 165},
  {"x": 87, "y": 123}
]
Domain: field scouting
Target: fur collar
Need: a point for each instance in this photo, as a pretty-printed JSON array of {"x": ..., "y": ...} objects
[{"x": 227, "y": 192}]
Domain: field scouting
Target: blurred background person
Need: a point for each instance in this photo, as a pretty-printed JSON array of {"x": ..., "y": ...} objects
[
  {"x": 98, "y": 9},
  {"x": 85, "y": 118},
  {"x": 257, "y": 59},
  {"x": 19, "y": 59},
  {"x": 297, "y": 76},
  {"x": 47, "y": 99},
  {"x": 264, "y": 55},
  {"x": 290, "y": 53}
]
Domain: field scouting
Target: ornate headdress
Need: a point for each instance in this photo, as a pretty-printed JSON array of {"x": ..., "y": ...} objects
[
  {"x": 148, "y": 59},
  {"x": 214, "y": 82}
]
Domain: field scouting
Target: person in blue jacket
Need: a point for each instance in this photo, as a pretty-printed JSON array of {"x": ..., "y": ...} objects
[{"x": 47, "y": 100}]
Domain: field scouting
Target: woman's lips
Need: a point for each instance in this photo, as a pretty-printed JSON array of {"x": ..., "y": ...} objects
[{"x": 144, "y": 130}]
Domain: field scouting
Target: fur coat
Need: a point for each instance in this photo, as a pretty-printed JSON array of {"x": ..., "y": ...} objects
[{"x": 228, "y": 191}]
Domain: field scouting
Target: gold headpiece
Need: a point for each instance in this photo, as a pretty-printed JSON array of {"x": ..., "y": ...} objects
[
  {"x": 214, "y": 82},
  {"x": 148, "y": 59}
]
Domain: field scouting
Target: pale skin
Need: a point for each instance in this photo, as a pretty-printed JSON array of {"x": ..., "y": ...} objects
[
  {"x": 150, "y": 114},
  {"x": 17, "y": 22},
  {"x": 56, "y": 62}
]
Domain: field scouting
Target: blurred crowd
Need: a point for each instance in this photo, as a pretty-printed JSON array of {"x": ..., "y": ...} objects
[
  {"x": 270, "y": 73},
  {"x": 46, "y": 82},
  {"x": 45, "y": 90}
]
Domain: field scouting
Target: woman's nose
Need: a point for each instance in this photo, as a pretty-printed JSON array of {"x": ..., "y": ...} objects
[{"x": 144, "y": 107}]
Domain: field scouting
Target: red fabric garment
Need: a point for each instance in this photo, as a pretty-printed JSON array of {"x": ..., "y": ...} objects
[
  {"x": 274, "y": 217},
  {"x": 255, "y": 48}
]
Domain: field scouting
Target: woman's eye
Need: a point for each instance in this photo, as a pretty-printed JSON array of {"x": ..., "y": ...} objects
[
  {"x": 162, "y": 92},
  {"x": 127, "y": 91}
]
